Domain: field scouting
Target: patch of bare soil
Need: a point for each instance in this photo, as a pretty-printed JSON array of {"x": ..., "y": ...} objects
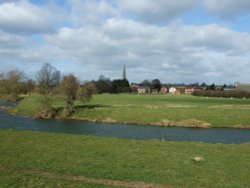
[{"x": 84, "y": 179}]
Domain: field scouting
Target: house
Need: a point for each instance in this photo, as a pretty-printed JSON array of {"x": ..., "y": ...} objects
[
  {"x": 154, "y": 91},
  {"x": 164, "y": 90},
  {"x": 143, "y": 89},
  {"x": 134, "y": 87},
  {"x": 172, "y": 90},
  {"x": 180, "y": 90},
  {"x": 189, "y": 90},
  {"x": 197, "y": 89},
  {"x": 177, "y": 90},
  {"x": 242, "y": 87}
]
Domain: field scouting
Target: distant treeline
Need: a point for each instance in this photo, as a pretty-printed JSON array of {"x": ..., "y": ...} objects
[
  {"x": 49, "y": 79},
  {"x": 105, "y": 85},
  {"x": 224, "y": 94}
]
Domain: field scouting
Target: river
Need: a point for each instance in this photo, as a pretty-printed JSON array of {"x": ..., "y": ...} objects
[{"x": 138, "y": 132}]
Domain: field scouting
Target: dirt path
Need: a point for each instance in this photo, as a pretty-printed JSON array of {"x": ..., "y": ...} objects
[{"x": 84, "y": 179}]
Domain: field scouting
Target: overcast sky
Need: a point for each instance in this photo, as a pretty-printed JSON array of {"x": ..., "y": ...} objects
[{"x": 175, "y": 41}]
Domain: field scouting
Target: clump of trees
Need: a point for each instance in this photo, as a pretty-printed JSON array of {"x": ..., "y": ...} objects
[
  {"x": 48, "y": 78},
  {"x": 105, "y": 85},
  {"x": 50, "y": 83},
  {"x": 14, "y": 83},
  {"x": 155, "y": 84},
  {"x": 73, "y": 90},
  {"x": 120, "y": 86}
]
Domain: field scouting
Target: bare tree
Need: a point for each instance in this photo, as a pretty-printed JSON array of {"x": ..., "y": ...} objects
[{"x": 47, "y": 78}]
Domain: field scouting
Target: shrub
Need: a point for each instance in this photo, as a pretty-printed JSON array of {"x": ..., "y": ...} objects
[{"x": 224, "y": 94}]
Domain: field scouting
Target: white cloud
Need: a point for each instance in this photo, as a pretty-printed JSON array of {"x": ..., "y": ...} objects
[
  {"x": 155, "y": 11},
  {"x": 174, "y": 53},
  {"x": 228, "y": 9},
  {"x": 8, "y": 40},
  {"x": 84, "y": 12},
  {"x": 102, "y": 38},
  {"x": 24, "y": 17}
]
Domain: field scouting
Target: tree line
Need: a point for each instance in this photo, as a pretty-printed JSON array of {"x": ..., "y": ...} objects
[{"x": 49, "y": 82}]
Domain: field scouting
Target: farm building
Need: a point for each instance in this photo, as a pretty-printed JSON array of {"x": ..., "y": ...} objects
[{"x": 243, "y": 87}]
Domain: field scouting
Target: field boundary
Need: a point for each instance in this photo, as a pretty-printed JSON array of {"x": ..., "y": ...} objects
[{"x": 84, "y": 178}]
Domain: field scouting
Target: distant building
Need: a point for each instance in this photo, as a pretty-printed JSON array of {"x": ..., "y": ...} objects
[
  {"x": 134, "y": 87},
  {"x": 189, "y": 89},
  {"x": 180, "y": 90},
  {"x": 164, "y": 90},
  {"x": 143, "y": 89},
  {"x": 229, "y": 89},
  {"x": 176, "y": 90},
  {"x": 172, "y": 90},
  {"x": 242, "y": 87},
  {"x": 124, "y": 73},
  {"x": 154, "y": 91},
  {"x": 197, "y": 89}
]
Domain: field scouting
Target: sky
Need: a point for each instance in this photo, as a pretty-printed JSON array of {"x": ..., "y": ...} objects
[{"x": 183, "y": 41}]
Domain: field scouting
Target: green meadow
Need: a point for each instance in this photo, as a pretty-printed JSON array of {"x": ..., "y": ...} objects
[
  {"x": 35, "y": 159},
  {"x": 27, "y": 159},
  {"x": 161, "y": 110}
]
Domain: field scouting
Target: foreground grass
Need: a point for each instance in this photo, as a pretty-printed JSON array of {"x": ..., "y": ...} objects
[
  {"x": 166, "y": 163},
  {"x": 24, "y": 180},
  {"x": 165, "y": 110}
]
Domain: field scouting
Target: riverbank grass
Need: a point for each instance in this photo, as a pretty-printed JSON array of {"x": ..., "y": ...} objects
[
  {"x": 176, "y": 164},
  {"x": 161, "y": 110}
]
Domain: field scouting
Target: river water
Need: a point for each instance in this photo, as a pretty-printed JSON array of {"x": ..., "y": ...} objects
[{"x": 138, "y": 132}]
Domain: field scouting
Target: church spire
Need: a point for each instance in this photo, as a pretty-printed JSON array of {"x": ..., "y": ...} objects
[{"x": 124, "y": 73}]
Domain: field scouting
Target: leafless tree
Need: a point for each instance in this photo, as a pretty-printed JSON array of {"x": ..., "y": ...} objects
[{"x": 47, "y": 78}]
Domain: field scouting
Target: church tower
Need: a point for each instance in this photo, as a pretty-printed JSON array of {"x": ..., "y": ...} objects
[{"x": 124, "y": 73}]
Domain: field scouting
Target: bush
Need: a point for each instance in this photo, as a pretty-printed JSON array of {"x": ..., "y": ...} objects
[{"x": 224, "y": 94}]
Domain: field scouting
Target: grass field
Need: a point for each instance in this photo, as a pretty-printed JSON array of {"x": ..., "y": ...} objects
[
  {"x": 155, "y": 162},
  {"x": 163, "y": 110}
]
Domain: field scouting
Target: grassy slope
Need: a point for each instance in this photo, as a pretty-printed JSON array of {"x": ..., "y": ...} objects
[
  {"x": 127, "y": 160},
  {"x": 153, "y": 109}
]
